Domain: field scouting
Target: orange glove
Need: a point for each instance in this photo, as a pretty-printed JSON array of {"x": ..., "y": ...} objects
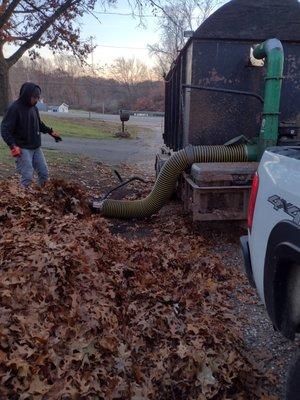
[
  {"x": 15, "y": 151},
  {"x": 56, "y": 136}
]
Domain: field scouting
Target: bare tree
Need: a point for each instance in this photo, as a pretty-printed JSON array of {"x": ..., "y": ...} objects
[
  {"x": 206, "y": 8},
  {"x": 63, "y": 82},
  {"x": 28, "y": 25},
  {"x": 177, "y": 17},
  {"x": 68, "y": 64},
  {"x": 37, "y": 23},
  {"x": 129, "y": 72}
]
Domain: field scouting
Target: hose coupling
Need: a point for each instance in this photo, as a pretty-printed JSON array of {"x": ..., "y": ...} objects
[{"x": 97, "y": 206}]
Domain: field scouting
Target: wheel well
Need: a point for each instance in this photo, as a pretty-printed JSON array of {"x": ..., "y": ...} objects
[
  {"x": 287, "y": 297},
  {"x": 282, "y": 278}
]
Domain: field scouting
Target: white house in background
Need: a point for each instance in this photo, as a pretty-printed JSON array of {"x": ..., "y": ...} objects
[{"x": 63, "y": 108}]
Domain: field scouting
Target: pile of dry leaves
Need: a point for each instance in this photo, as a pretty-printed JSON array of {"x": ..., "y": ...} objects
[{"x": 86, "y": 314}]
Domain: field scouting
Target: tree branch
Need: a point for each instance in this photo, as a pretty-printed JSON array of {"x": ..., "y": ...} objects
[
  {"x": 34, "y": 38},
  {"x": 28, "y": 11},
  {"x": 19, "y": 38},
  {"x": 165, "y": 13},
  {"x": 8, "y": 12}
]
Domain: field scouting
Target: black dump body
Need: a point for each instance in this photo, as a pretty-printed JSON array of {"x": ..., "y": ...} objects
[{"x": 218, "y": 56}]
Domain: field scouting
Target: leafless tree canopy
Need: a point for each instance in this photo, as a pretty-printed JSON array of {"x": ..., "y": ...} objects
[
  {"x": 129, "y": 71},
  {"x": 32, "y": 24},
  {"x": 38, "y": 23},
  {"x": 177, "y": 17},
  {"x": 64, "y": 80}
]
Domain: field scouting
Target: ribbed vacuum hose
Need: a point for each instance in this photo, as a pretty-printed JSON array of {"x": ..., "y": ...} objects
[{"x": 168, "y": 176}]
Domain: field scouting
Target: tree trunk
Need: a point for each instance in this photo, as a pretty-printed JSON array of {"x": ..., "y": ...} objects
[{"x": 4, "y": 86}]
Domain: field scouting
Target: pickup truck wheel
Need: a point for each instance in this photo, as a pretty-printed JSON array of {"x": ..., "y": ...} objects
[
  {"x": 293, "y": 381},
  {"x": 293, "y": 297}
]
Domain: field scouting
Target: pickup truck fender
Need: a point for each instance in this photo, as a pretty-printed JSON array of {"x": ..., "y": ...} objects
[{"x": 282, "y": 277}]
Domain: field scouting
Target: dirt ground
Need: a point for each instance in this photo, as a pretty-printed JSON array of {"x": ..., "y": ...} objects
[{"x": 270, "y": 351}]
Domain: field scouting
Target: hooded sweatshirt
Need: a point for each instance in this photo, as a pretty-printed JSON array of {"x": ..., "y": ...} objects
[{"x": 21, "y": 125}]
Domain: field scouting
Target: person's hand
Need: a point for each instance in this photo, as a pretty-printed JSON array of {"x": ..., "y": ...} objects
[
  {"x": 56, "y": 136},
  {"x": 15, "y": 151}
]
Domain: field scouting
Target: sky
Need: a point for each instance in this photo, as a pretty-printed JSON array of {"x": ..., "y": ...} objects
[
  {"x": 115, "y": 35},
  {"x": 123, "y": 33}
]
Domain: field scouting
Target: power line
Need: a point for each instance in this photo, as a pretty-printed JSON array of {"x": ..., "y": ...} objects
[
  {"x": 126, "y": 14},
  {"x": 136, "y": 15},
  {"x": 121, "y": 47}
]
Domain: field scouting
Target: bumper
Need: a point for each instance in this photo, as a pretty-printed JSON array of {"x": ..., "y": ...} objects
[{"x": 247, "y": 259}]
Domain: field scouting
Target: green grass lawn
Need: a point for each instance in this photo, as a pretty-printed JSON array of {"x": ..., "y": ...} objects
[{"x": 84, "y": 127}]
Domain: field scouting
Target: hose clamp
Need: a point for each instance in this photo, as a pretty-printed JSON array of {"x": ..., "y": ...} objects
[{"x": 97, "y": 206}]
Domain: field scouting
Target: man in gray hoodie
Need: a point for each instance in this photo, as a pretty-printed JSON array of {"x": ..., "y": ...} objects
[{"x": 21, "y": 128}]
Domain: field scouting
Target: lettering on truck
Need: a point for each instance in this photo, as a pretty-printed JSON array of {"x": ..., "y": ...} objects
[{"x": 290, "y": 209}]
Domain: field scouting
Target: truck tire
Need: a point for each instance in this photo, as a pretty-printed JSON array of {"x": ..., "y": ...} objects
[{"x": 293, "y": 380}]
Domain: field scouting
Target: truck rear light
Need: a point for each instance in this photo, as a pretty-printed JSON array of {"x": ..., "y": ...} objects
[{"x": 252, "y": 201}]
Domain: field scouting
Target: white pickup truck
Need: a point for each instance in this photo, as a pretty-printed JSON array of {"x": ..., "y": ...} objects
[{"x": 272, "y": 247}]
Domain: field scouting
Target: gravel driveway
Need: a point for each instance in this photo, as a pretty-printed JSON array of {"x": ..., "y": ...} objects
[{"x": 134, "y": 151}]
